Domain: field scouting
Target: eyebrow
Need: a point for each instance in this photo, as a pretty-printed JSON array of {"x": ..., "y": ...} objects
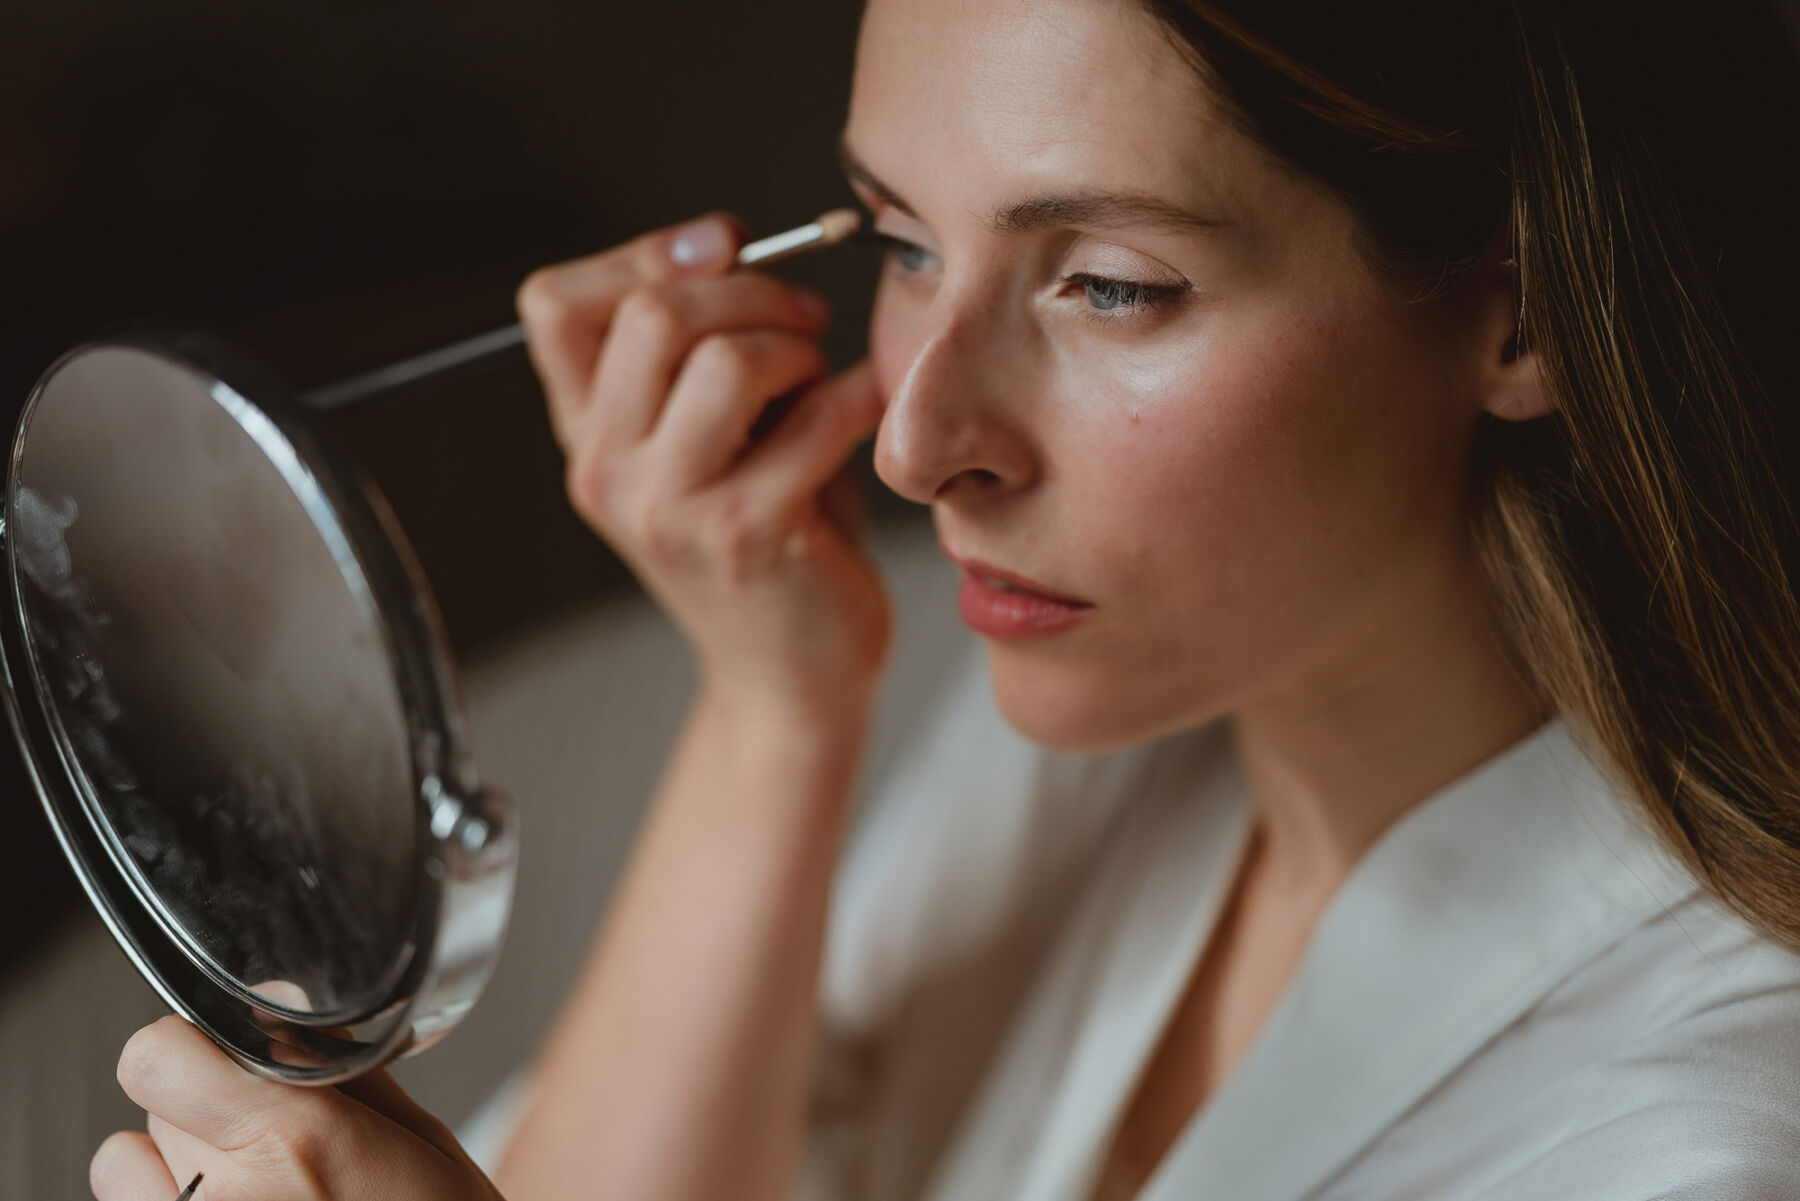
[{"x": 1096, "y": 210}]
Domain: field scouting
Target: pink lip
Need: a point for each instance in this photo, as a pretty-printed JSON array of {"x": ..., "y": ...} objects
[
  {"x": 1006, "y": 614},
  {"x": 977, "y": 567}
]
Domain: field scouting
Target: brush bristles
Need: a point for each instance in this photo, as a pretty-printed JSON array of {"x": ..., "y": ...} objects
[{"x": 839, "y": 224}]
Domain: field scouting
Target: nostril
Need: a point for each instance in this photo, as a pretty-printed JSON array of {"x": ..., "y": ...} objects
[{"x": 978, "y": 477}]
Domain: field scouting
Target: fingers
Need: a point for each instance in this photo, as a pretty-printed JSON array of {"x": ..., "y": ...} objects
[
  {"x": 127, "y": 1167},
  {"x": 657, "y": 326},
  {"x": 727, "y": 381},
  {"x": 809, "y": 447},
  {"x": 261, "y": 1138},
  {"x": 174, "y": 1071},
  {"x": 566, "y": 308},
  {"x": 841, "y": 501},
  {"x": 182, "y": 1152}
]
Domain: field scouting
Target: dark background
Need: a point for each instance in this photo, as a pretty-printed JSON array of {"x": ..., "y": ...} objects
[{"x": 331, "y": 184}]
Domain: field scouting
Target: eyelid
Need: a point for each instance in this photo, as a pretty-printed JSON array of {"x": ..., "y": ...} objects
[
  {"x": 1147, "y": 271},
  {"x": 891, "y": 239},
  {"x": 892, "y": 244},
  {"x": 1155, "y": 296},
  {"x": 872, "y": 226}
]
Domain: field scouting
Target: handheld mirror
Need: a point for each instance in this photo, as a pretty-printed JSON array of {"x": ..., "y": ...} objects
[
  {"x": 227, "y": 677},
  {"x": 235, "y": 703}
]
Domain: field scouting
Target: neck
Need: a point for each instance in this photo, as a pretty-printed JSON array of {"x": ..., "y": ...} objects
[{"x": 1404, "y": 702}]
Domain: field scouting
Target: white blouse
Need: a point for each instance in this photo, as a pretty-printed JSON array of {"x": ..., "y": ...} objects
[{"x": 1515, "y": 996}]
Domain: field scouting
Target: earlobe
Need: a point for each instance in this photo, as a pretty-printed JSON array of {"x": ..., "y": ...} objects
[{"x": 1520, "y": 391}]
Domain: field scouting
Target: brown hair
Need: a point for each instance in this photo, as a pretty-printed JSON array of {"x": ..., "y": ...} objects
[{"x": 1641, "y": 540}]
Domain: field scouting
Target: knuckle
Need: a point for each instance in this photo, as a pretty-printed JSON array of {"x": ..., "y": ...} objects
[
  {"x": 663, "y": 539},
  {"x": 652, "y": 314},
  {"x": 725, "y": 362},
  {"x": 586, "y": 480},
  {"x": 735, "y": 533},
  {"x": 657, "y": 542},
  {"x": 304, "y": 1140},
  {"x": 539, "y": 299},
  {"x": 142, "y": 1053},
  {"x": 648, "y": 254}
]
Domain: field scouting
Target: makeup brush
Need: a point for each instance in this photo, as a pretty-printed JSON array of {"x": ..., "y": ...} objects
[{"x": 830, "y": 229}]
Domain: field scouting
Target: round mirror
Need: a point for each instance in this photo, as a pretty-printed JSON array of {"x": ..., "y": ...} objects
[{"x": 228, "y": 680}]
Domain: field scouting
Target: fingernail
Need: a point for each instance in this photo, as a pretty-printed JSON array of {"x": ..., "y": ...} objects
[
  {"x": 698, "y": 242},
  {"x": 815, "y": 306}
]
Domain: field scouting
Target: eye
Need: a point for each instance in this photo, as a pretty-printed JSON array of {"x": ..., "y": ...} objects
[
  {"x": 1106, "y": 295},
  {"x": 908, "y": 256},
  {"x": 1108, "y": 300}
]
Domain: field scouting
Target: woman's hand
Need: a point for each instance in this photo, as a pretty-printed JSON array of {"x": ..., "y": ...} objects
[
  {"x": 657, "y": 358},
  {"x": 258, "y": 1140}
]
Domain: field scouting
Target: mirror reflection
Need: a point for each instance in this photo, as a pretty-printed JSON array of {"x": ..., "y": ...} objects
[{"x": 217, "y": 675}]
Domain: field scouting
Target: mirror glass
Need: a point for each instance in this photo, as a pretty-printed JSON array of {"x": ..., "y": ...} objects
[{"x": 216, "y": 676}]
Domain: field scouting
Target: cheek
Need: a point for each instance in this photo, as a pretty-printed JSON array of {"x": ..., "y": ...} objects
[
  {"x": 1235, "y": 496},
  {"x": 1165, "y": 445},
  {"x": 1304, "y": 441}
]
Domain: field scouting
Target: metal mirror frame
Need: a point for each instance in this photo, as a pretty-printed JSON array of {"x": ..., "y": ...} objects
[{"x": 466, "y": 837}]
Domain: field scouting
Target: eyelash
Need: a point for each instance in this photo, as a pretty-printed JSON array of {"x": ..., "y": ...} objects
[{"x": 1127, "y": 294}]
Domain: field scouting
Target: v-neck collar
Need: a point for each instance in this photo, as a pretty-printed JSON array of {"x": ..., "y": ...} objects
[
  {"x": 1168, "y": 884},
  {"x": 1465, "y": 912},
  {"x": 1121, "y": 964}
]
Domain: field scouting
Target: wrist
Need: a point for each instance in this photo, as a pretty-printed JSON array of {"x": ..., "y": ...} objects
[
  {"x": 824, "y": 719},
  {"x": 817, "y": 735}
]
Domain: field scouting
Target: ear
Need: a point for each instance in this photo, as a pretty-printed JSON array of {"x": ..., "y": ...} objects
[{"x": 1514, "y": 387}]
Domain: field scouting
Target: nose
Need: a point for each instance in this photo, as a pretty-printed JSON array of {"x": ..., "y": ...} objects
[{"x": 947, "y": 425}]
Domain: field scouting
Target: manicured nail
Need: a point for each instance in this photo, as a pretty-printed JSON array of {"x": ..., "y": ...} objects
[{"x": 699, "y": 242}]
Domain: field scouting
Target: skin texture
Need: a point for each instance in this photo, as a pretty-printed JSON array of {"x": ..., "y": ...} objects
[
  {"x": 1246, "y": 482},
  {"x": 1261, "y": 487}
]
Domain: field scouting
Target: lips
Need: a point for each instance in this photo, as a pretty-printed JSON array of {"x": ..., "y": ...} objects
[
  {"x": 1004, "y": 581},
  {"x": 998, "y": 603}
]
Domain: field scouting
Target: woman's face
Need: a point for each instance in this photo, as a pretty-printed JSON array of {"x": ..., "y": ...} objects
[{"x": 1245, "y": 455}]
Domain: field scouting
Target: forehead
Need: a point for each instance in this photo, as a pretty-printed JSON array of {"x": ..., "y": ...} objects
[{"x": 1003, "y": 95}]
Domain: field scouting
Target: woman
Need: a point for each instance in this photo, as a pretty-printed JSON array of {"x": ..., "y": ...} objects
[{"x": 1396, "y": 409}]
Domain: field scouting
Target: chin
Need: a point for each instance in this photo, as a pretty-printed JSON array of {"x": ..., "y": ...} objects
[{"x": 1070, "y": 707}]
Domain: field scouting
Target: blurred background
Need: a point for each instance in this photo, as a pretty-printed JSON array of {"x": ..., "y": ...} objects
[{"x": 331, "y": 185}]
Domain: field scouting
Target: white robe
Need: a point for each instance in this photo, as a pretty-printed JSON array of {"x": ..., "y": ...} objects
[{"x": 1515, "y": 996}]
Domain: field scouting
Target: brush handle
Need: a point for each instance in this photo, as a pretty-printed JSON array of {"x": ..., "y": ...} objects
[
  {"x": 433, "y": 364},
  {"x": 830, "y": 229}
]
